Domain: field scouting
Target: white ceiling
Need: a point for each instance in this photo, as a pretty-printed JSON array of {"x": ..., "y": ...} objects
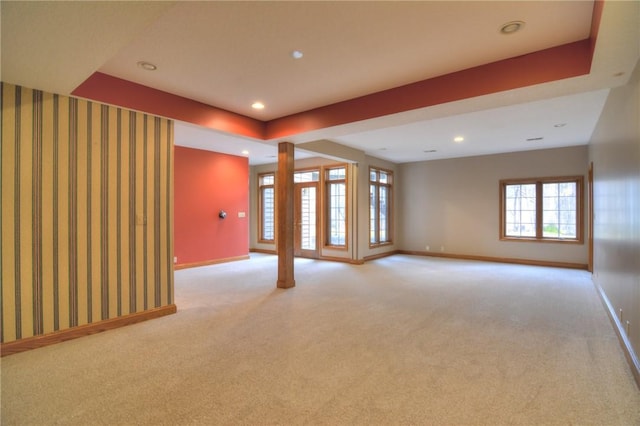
[
  {"x": 229, "y": 54},
  {"x": 563, "y": 121}
]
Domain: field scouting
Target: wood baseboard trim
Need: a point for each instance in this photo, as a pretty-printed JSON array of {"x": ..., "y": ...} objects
[
  {"x": 209, "y": 262},
  {"x": 629, "y": 353},
  {"x": 264, "y": 251},
  {"x": 568, "y": 265},
  {"x": 381, "y": 255},
  {"x": 328, "y": 258},
  {"x": 35, "y": 342},
  {"x": 342, "y": 259}
]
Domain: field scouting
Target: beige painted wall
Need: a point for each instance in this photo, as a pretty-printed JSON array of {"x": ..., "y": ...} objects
[
  {"x": 615, "y": 152},
  {"x": 454, "y": 204}
]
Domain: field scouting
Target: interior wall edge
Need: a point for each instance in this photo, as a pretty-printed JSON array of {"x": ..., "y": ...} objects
[
  {"x": 625, "y": 343},
  {"x": 209, "y": 262}
]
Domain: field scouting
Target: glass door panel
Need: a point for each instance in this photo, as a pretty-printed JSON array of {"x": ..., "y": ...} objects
[{"x": 306, "y": 219}]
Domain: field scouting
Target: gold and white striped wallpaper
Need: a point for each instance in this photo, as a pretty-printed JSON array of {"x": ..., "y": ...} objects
[{"x": 86, "y": 220}]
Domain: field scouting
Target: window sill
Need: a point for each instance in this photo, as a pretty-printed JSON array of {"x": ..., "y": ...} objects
[
  {"x": 377, "y": 245},
  {"x": 542, "y": 240},
  {"x": 332, "y": 247}
]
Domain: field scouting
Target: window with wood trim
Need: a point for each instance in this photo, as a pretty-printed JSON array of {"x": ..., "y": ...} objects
[
  {"x": 380, "y": 202},
  {"x": 336, "y": 206},
  {"x": 542, "y": 209},
  {"x": 312, "y": 175},
  {"x": 267, "y": 211}
]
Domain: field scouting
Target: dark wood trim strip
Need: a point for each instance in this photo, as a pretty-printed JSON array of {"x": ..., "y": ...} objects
[
  {"x": 342, "y": 259},
  {"x": 35, "y": 342},
  {"x": 385, "y": 254},
  {"x": 531, "y": 262},
  {"x": 265, "y": 251},
  {"x": 328, "y": 258},
  {"x": 210, "y": 262},
  {"x": 627, "y": 348}
]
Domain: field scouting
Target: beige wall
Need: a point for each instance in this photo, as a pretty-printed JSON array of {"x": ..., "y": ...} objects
[
  {"x": 454, "y": 204},
  {"x": 615, "y": 152}
]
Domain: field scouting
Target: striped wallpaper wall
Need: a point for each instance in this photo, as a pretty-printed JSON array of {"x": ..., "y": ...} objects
[{"x": 86, "y": 219}]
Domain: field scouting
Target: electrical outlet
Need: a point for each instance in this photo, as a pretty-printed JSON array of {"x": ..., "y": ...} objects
[
  {"x": 427, "y": 248},
  {"x": 442, "y": 249},
  {"x": 175, "y": 259}
]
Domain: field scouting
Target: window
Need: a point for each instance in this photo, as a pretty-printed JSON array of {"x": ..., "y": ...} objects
[
  {"x": 306, "y": 176},
  {"x": 336, "y": 206},
  {"x": 545, "y": 209},
  {"x": 380, "y": 186},
  {"x": 267, "y": 212}
]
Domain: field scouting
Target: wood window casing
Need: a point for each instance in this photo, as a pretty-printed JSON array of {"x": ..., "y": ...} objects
[
  {"x": 380, "y": 232},
  {"x": 265, "y": 222},
  {"x": 328, "y": 205},
  {"x": 539, "y": 209}
]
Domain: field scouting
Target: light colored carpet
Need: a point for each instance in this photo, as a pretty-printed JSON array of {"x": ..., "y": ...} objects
[{"x": 400, "y": 340}]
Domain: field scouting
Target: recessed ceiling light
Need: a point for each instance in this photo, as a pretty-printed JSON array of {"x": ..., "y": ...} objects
[
  {"x": 296, "y": 54},
  {"x": 458, "y": 139},
  {"x": 147, "y": 66},
  {"x": 245, "y": 152},
  {"x": 257, "y": 105},
  {"x": 511, "y": 27},
  {"x": 539, "y": 138},
  {"x": 429, "y": 151},
  {"x": 618, "y": 74},
  {"x": 382, "y": 149},
  {"x": 560, "y": 125}
]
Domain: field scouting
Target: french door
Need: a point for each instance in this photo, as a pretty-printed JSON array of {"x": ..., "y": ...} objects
[{"x": 306, "y": 219}]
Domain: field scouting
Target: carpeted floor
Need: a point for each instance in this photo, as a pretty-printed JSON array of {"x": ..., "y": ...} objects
[{"x": 400, "y": 340}]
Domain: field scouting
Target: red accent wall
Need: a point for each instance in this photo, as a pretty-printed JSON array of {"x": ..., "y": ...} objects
[{"x": 204, "y": 183}]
